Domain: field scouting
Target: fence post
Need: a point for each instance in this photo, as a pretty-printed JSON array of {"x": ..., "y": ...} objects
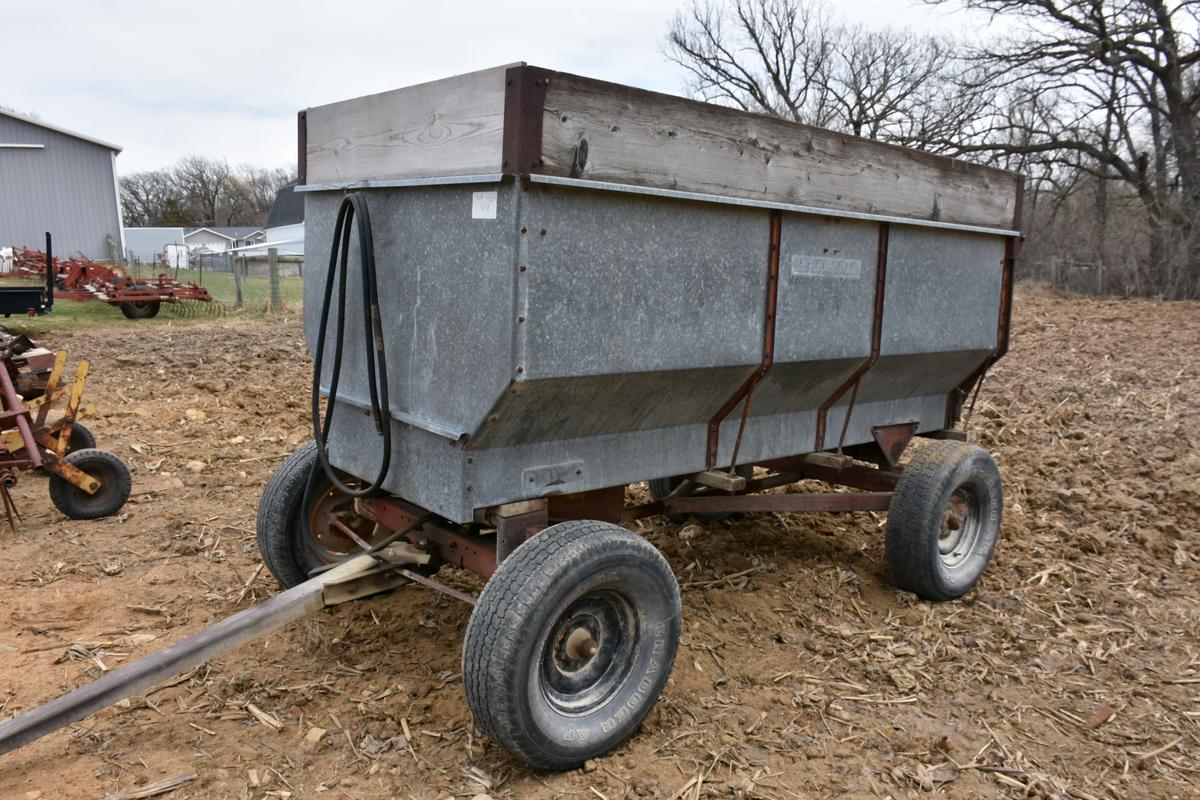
[
  {"x": 237, "y": 282},
  {"x": 273, "y": 275}
]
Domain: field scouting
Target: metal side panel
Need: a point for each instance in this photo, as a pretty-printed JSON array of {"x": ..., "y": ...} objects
[
  {"x": 562, "y": 466},
  {"x": 446, "y": 261},
  {"x": 625, "y": 284},
  {"x": 634, "y": 313},
  {"x": 824, "y": 312},
  {"x": 440, "y": 476},
  {"x": 538, "y": 411},
  {"x": 940, "y": 313},
  {"x": 824, "y": 316},
  {"x": 426, "y": 469}
]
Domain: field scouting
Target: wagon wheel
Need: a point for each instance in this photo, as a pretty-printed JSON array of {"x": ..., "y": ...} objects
[
  {"x": 115, "y": 486},
  {"x": 571, "y": 642},
  {"x": 139, "y": 309},
  {"x": 81, "y": 438},
  {"x": 305, "y": 523},
  {"x": 944, "y": 520}
]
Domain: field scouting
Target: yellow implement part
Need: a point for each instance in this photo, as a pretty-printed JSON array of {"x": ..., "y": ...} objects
[
  {"x": 11, "y": 440},
  {"x": 64, "y": 435},
  {"x": 59, "y": 466},
  {"x": 48, "y": 396}
]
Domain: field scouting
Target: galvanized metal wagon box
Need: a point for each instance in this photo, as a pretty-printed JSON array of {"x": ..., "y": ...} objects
[{"x": 543, "y": 287}]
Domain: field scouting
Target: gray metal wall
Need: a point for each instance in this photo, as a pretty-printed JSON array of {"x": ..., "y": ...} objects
[
  {"x": 577, "y": 339},
  {"x": 147, "y": 243},
  {"x": 68, "y": 188}
]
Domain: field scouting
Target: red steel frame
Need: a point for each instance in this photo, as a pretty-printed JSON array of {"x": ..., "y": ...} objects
[
  {"x": 480, "y": 547},
  {"x": 79, "y": 278}
]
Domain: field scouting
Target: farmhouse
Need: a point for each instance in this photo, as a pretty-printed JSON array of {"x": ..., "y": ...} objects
[
  {"x": 56, "y": 180},
  {"x": 223, "y": 238}
]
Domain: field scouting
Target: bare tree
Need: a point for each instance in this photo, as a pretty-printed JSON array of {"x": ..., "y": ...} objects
[
  {"x": 144, "y": 197},
  {"x": 757, "y": 55},
  {"x": 1110, "y": 89},
  {"x": 259, "y": 186},
  {"x": 201, "y": 191},
  {"x": 795, "y": 59},
  {"x": 206, "y": 183}
]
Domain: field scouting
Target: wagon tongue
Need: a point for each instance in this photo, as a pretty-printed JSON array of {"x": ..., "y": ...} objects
[{"x": 359, "y": 576}]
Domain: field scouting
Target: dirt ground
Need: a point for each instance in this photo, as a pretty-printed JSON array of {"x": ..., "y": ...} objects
[{"x": 1073, "y": 670}]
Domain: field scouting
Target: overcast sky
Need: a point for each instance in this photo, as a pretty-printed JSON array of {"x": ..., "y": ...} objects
[{"x": 225, "y": 79}]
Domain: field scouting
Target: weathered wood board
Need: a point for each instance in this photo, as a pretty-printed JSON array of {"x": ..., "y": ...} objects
[
  {"x": 453, "y": 126},
  {"x": 639, "y": 137},
  {"x": 524, "y": 120}
]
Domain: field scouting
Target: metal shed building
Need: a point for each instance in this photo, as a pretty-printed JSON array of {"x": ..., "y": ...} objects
[{"x": 56, "y": 180}]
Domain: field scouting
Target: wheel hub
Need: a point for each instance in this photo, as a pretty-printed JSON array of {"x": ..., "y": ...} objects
[
  {"x": 580, "y": 645},
  {"x": 960, "y": 527},
  {"x": 589, "y": 652},
  {"x": 334, "y": 528}
]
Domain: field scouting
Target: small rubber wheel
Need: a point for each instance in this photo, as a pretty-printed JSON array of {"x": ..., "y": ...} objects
[
  {"x": 944, "y": 520},
  {"x": 298, "y": 517},
  {"x": 660, "y": 488},
  {"x": 81, "y": 438},
  {"x": 140, "y": 309},
  {"x": 115, "y": 485},
  {"x": 571, "y": 643}
]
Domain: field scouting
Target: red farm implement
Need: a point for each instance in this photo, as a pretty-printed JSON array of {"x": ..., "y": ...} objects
[
  {"x": 85, "y": 483},
  {"x": 80, "y": 278}
]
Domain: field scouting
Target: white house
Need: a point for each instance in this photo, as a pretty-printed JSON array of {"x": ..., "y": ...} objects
[
  {"x": 287, "y": 239},
  {"x": 218, "y": 240}
]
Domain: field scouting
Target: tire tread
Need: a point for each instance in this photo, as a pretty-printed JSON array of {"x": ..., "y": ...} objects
[
  {"x": 912, "y": 512},
  {"x": 281, "y": 496},
  {"x": 502, "y": 612},
  {"x": 60, "y": 490}
]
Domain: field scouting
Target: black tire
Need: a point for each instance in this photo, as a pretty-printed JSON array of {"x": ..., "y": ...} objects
[
  {"x": 547, "y": 697},
  {"x": 115, "y": 485},
  {"x": 140, "y": 309},
  {"x": 944, "y": 520},
  {"x": 81, "y": 439},
  {"x": 660, "y": 488},
  {"x": 285, "y": 526}
]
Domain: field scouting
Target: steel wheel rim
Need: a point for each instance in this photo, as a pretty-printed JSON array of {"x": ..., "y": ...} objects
[
  {"x": 961, "y": 526},
  {"x": 589, "y": 653},
  {"x": 323, "y": 537},
  {"x": 103, "y": 472}
]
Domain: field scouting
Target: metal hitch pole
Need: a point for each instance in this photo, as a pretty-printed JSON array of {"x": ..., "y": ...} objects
[{"x": 360, "y": 576}]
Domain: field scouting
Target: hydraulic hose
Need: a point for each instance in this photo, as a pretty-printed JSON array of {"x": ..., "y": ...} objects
[{"x": 354, "y": 205}]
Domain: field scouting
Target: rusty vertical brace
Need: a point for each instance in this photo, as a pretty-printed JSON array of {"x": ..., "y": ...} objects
[
  {"x": 876, "y": 340},
  {"x": 849, "y": 411},
  {"x": 524, "y": 105},
  {"x": 302, "y": 147},
  {"x": 768, "y": 352},
  {"x": 959, "y": 393},
  {"x": 1012, "y": 247}
]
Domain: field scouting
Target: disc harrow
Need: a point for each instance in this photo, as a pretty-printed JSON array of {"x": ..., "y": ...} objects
[{"x": 81, "y": 278}]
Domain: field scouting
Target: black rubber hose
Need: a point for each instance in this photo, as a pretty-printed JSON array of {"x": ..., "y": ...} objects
[{"x": 339, "y": 255}]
